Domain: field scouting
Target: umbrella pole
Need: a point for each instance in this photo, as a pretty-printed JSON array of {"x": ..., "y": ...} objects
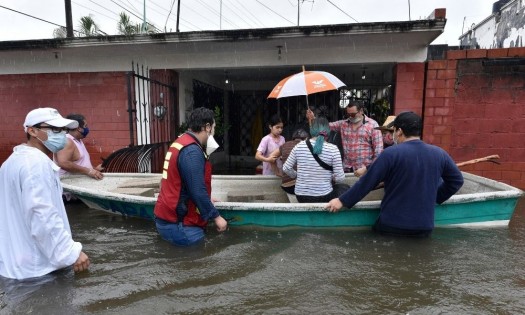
[{"x": 307, "y": 105}]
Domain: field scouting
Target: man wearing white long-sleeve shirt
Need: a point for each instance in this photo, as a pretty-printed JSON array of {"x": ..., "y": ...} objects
[{"x": 35, "y": 237}]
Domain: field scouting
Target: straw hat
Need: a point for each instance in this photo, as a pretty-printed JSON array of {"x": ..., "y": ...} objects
[{"x": 387, "y": 125}]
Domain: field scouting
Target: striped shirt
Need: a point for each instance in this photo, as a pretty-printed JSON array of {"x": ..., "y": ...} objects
[{"x": 312, "y": 179}]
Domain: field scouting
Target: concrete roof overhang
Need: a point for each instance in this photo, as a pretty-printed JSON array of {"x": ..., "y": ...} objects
[{"x": 342, "y": 47}]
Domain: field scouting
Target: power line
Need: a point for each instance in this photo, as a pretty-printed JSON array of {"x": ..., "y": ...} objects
[
  {"x": 132, "y": 6},
  {"x": 37, "y": 18},
  {"x": 264, "y": 5},
  {"x": 250, "y": 12},
  {"x": 34, "y": 17},
  {"x": 217, "y": 14},
  {"x": 135, "y": 15},
  {"x": 137, "y": 11},
  {"x": 169, "y": 13},
  {"x": 342, "y": 11},
  {"x": 182, "y": 19},
  {"x": 235, "y": 13},
  {"x": 80, "y": 5}
]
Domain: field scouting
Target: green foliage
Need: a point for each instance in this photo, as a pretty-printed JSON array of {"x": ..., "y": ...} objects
[
  {"x": 182, "y": 128},
  {"x": 125, "y": 27},
  {"x": 87, "y": 26},
  {"x": 220, "y": 126},
  {"x": 381, "y": 109}
]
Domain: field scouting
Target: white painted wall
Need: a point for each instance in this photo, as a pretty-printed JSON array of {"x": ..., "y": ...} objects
[
  {"x": 485, "y": 34},
  {"x": 505, "y": 27},
  {"x": 342, "y": 49}
]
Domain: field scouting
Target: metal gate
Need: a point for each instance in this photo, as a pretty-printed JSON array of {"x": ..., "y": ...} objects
[
  {"x": 152, "y": 109},
  {"x": 153, "y": 120}
]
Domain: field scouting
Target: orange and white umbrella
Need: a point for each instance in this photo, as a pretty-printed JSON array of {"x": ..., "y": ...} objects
[{"x": 306, "y": 83}]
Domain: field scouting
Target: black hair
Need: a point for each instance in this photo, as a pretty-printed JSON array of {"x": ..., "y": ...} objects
[
  {"x": 358, "y": 104},
  {"x": 410, "y": 122},
  {"x": 300, "y": 133},
  {"x": 199, "y": 118},
  {"x": 275, "y": 120},
  {"x": 79, "y": 118}
]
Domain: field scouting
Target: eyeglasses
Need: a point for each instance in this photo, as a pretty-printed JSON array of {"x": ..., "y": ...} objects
[
  {"x": 352, "y": 114},
  {"x": 53, "y": 129}
]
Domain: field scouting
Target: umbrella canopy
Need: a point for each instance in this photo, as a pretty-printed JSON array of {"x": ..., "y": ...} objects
[{"x": 306, "y": 83}]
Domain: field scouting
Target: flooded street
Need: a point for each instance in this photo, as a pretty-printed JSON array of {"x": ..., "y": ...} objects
[{"x": 281, "y": 271}]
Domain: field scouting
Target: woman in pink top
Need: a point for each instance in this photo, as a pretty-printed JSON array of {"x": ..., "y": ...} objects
[{"x": 268, "y": 144}]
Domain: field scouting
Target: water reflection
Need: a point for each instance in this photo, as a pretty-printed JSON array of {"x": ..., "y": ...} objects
[
  {"x": 29, "y": 296},
  {"x": 282, "y": 271}
]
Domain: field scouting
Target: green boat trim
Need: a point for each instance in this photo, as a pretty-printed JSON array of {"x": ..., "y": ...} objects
[{"x": 481, "y": 201}]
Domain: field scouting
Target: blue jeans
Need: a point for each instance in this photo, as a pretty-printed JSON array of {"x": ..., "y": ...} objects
[{"x": 178, "y": 234}]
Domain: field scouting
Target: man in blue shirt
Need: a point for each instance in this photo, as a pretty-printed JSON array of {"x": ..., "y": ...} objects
[
  {"x": 184, "y": 205},
  {"x": 416, "y": 177}
]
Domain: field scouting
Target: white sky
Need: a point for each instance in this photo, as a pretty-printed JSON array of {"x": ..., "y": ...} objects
[{"x": 236, "y": 14}]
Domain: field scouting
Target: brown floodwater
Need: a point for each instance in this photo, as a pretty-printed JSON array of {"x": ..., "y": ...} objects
[{"x": 281, "y": 271}]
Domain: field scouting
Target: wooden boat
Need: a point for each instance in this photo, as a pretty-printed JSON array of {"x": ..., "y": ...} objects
[{"x": 259, "y": 200}]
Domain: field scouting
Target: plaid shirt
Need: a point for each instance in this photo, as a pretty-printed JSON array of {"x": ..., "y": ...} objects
[{"x": 362, "y": 146}]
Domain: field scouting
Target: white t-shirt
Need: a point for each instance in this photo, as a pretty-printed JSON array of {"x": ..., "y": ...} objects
[{"x": 35, "y": 237}]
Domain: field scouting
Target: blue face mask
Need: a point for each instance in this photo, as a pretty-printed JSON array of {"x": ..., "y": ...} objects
[
  {"x": 55, "y": 141},
  {"x": 85, "y": 131}
]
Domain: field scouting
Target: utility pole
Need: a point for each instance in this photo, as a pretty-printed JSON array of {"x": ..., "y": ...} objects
[
  {"x": 178, "y": 16},
  {"x": 220, "y": 16},
  {"x": 144, "y": 27},
  {"x": 298, "y": 12},
  {"x": 69, "y": 20}
]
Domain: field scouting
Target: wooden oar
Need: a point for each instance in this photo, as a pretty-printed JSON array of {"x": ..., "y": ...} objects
[{"x": 490, "y": 158}]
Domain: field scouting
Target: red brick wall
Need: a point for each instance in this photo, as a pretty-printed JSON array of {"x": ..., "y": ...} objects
[
  {"x": 474, "y": 110},
  {"x": 101, "y": 97},
  {"x": 409, "y": 78}
]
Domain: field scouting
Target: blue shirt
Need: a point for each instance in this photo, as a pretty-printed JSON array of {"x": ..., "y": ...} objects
[
  {"x": 191, "y": 164},
  {"x": 416, "y": 176}
]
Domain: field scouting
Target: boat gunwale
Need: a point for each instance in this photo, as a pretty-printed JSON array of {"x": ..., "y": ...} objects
[{"x": 505, "y": 192}]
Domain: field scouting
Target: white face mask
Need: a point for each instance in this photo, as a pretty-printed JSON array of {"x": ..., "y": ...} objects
[
  {"x": 355, "y": 120},
  {"x": 211, "y": 145}
]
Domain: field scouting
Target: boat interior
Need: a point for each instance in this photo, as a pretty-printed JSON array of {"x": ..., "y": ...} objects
[{"x": 243, "y": 188}]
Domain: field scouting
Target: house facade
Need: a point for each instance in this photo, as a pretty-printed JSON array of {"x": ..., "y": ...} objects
[
  {"x": 504, "y": 28},
  {"x": 136, "y": 91}
]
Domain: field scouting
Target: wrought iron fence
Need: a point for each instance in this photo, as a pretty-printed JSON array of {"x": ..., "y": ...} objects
[{"x": 153, "y": 121}]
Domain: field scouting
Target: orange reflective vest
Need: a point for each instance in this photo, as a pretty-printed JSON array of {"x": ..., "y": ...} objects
[{"x": 171, "y": 186}]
